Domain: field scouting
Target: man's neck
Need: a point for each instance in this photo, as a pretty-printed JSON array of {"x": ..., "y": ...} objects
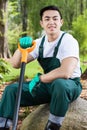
[{"x": 53, "y": 37}]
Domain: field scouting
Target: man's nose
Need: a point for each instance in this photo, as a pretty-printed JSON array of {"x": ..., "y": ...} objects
[{"x": 51, "y": 21}]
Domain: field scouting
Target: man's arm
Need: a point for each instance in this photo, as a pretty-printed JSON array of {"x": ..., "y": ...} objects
[
  {"x": 15, "y": 60},
  {"x": 66, "y": 69}
]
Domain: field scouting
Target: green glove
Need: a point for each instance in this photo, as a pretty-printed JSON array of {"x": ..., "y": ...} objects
[
  {"x": 34, "y": 84},
  {"x": 26, "y": 42}
]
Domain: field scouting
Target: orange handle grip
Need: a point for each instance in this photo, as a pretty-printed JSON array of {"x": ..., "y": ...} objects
[{"x": 26, "y": 51}]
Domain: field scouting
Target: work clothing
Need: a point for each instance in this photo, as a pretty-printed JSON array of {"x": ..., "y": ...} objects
[
  {"x": 68, "y": 48},
  {"x": 59, "y": 93}
]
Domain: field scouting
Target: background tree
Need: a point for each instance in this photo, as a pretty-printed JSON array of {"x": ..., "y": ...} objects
[
  {"x": 23, "y": 17},
  {"x": 4, "y": 50},
  {"x": 79, "y": 29}
]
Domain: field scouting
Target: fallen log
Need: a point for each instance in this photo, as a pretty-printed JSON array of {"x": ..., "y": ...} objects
[{"x": 75, "y": 119}]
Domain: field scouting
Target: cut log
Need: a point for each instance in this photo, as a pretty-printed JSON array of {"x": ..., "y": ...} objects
[{"x": 75, "y": 119}]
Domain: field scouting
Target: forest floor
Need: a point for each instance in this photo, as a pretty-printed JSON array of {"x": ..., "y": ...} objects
[{"x": 25, "y": 111}]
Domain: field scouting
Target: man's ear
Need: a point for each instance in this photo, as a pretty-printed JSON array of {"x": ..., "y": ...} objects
[
  {"x": 41, "y": 23},
  {"x": 62, "y": 21}
]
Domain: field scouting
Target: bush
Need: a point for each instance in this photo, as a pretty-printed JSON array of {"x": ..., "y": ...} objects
[
  {"x": 80, "y": 32},
  {"x": 3, "y": 68}
]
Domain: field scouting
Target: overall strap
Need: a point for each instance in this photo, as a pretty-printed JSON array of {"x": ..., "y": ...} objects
[
  {"x": 55, "y": 50},
  {"x": 41, "y": 48},
  {"x": 57, "y": 47}
]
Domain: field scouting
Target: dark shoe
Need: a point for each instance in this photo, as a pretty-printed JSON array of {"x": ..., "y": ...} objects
[
  {"x": 3, "y": 128},
  {"x": 52, "y": 126}
]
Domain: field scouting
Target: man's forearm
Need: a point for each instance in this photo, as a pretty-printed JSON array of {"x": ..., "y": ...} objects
[{"x": 15, "y": 60}]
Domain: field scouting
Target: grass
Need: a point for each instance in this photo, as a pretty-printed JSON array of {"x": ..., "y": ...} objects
[
  {"x": 83, "y": 67},
  {"x": 30, "y": 71},
  {"x": 83, "y": 62}
]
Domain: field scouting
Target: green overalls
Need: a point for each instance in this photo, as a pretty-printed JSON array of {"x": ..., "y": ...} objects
[{"x": 58, "y": 93}]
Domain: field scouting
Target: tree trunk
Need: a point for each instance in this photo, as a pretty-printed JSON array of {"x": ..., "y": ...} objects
[
  {"x": 1, "y": 29},
  {"x": 81, "y": 6},
  {"x": 76, "y": 117},
  {"x": 4, "y": 50},
  {"x": 84, "y": 75},
  {"x": 24, "y": 16}
]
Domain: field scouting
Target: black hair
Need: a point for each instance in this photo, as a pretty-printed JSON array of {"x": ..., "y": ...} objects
[{"x": 50, "y": 7}]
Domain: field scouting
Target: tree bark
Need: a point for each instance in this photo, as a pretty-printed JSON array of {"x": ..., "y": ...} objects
[
  {"x": 1, "y": 29},
  {"x": 75, "y": 119},
  {"x": 24, "y": 16},
  {"x": 4, "y": 50}
]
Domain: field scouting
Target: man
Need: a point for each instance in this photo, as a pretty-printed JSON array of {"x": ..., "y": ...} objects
[{"x": 58, "y": 54}]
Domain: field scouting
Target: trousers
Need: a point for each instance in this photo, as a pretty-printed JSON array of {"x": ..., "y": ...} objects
[{"x": 59, "y": 94}]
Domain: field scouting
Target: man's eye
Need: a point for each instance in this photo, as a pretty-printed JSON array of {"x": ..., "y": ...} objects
[
  {"x": 46, "y": 19},
  {"x": 55, "y": 19}
]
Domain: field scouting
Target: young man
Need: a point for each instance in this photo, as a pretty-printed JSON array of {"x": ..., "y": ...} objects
[{"x": 58, "y": 54}]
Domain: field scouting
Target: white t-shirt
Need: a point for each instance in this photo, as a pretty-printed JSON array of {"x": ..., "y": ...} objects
[{"x": 68, "y": 48}]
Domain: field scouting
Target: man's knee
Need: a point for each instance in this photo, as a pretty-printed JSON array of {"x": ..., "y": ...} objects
[
  {"x": 11, "y": 88},
  {"x": 59, "y": 84}
]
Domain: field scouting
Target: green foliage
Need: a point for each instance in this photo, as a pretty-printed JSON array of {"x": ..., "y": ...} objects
[
  {"x": 13, "y": 12},
  {"x": 13, "y": 37},
  {"x": 70, "y": 10},
  {"x": 80, "y": 32},
  {"x": 4, "y": 66},
  {"x": 30, "y": 71},
  {"x": 1, "y": 77},
  {"x": 14, "y": 28},
  {"x": 4, "y": 69}
]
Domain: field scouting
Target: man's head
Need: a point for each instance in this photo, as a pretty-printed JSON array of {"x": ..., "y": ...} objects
[
  {"x": 51, "y": 7},
  {"x": 51, "y": 20}
]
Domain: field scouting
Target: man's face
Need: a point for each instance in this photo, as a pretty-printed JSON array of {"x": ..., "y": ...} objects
[{"x": 51, "y": 22}]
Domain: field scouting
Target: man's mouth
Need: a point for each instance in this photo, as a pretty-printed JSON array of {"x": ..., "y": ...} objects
[{"x": 51, "y": 27}]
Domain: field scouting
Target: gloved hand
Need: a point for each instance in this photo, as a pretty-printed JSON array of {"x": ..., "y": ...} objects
[
  {"x": 26, "y": 42},
  {"x": 34, "y": 84}
]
